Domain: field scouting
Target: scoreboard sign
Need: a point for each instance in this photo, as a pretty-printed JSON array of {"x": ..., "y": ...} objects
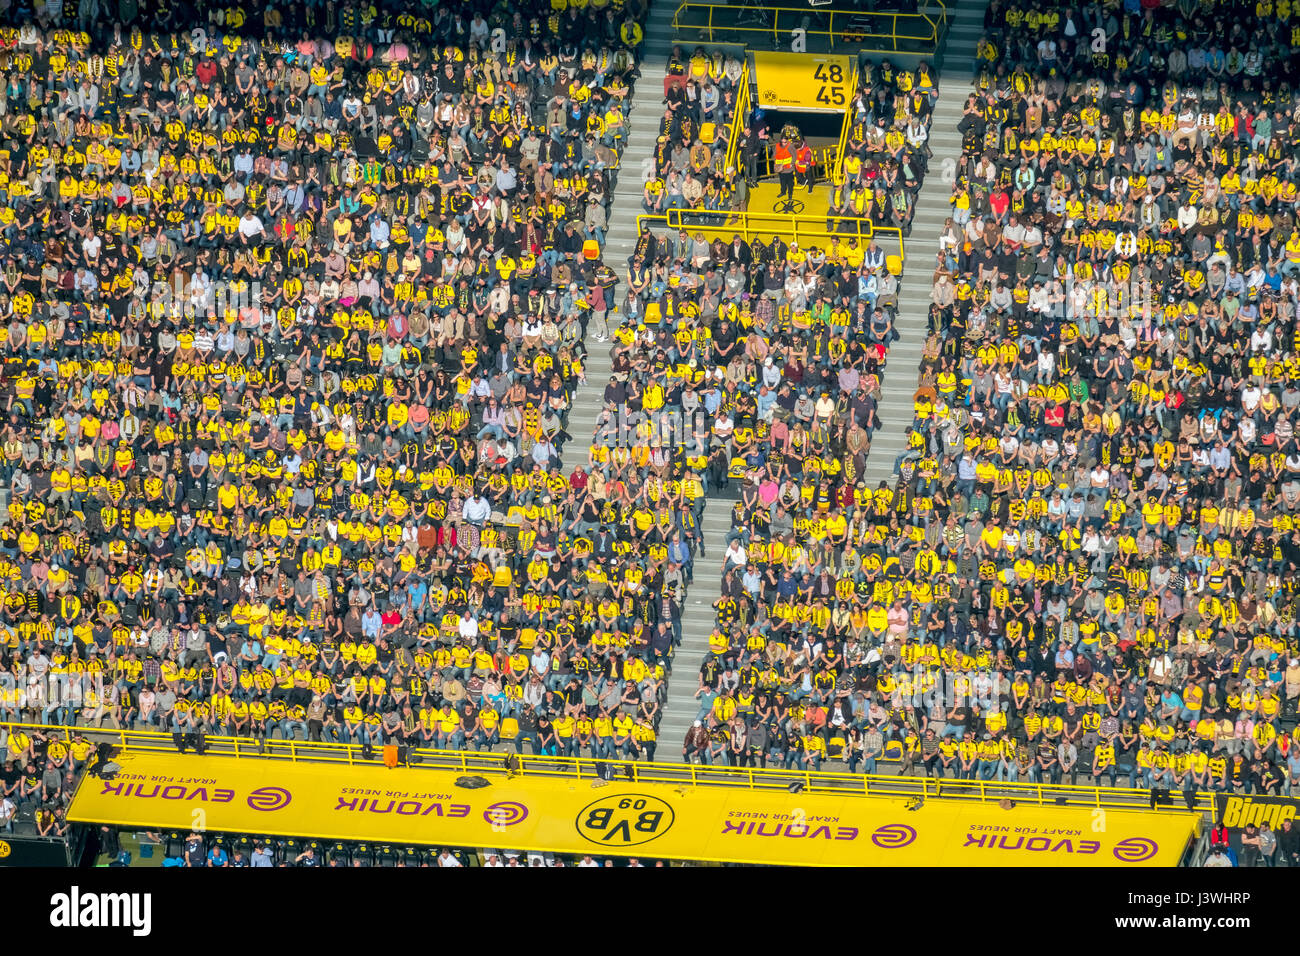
[{"x": 799, "y": 81}]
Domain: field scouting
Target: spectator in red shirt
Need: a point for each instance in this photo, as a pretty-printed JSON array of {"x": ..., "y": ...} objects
[
  {"x": 206, "y": 71},
  {"x": 1000, "y": 202}
]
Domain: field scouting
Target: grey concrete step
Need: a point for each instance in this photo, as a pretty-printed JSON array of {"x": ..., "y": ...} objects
[
  {"x": 965, "y": 26},
  {"x": 697, "y": 623}
]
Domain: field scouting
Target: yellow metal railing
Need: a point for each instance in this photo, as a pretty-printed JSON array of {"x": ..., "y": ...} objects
[
  {"x": 738, "y": 124},
  {"x": 863, "y": 31},
  {"x": 805, "y": 230},
  {"x": 824, "y": 158},
  {"x": 843, "y": 144},
  {"x": 753, "y": 778}
]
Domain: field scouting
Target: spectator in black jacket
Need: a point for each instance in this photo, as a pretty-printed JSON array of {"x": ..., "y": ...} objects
[{"x": 1288, "y": 844}]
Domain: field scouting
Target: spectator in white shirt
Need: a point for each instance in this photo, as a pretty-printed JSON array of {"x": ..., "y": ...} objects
[
  {"x": 250, "y": 226},
  {"x": 477, "y": 510}
]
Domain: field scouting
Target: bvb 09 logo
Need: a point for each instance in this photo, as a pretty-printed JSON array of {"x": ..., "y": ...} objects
[{"x": 626, "y": 819}]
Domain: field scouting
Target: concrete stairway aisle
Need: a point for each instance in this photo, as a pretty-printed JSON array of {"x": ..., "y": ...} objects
[
  {"x": 965, "y": 25},
  {"x": 620, "y": 238},
  {"x": 697, "y": 623},
  {"x": 620, "y": 242}
]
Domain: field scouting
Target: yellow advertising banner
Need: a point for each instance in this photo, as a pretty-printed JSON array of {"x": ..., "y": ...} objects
[
  {"x": 571, "y": 815},
  {"x": 801, "y": 81}
]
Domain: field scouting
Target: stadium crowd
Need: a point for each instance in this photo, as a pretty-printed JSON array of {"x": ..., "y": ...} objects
[
  {"x": 292, "y": 330},
  {"x": 691, "y": 149},
  {"x": 792, "y": 344},
  {"x": 197, "y": 849},
  {"x": 1105, "y": 463},
  {"x": 1084, "y": 573},
  {"x": 887, "y": 153},
  {"x": 40, "y": 774}
]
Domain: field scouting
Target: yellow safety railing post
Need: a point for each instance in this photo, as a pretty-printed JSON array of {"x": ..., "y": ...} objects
[
  {"x": 845, "y": 128},
  {"x": 737, "y": 125}
]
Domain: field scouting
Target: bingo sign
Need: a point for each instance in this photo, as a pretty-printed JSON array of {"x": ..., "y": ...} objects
[{"x": 802, "y": 82}]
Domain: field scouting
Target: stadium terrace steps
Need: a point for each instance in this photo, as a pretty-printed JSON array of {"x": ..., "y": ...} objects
[
  {"x": 620, "y": 242},
  {"x": 620, "y": 238},
  {"x": 965, "y": 25},
  {"x": 659, "y": 30},
  {"x": 697, "y": 623},
  {"x": 588, "y": 401},
  {"x": 895, "y": 412}
]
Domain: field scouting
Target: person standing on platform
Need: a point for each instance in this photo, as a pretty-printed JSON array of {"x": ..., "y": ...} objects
[
  {"x": 783, "y": 160},
  {"x": 803, "y": 165}
]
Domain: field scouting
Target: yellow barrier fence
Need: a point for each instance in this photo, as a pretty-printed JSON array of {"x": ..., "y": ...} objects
[
  {"x": 843, "y": 144},
  {"x": 825, "y": 159},
  {"x": 738, "y": 123},
  {"x": 806, "y": 230},
  {"x": 695, "y": 775},
  {"x": 870, "y": 32}
]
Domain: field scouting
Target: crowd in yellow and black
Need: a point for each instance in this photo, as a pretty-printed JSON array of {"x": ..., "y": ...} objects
[
  {"x": 779, "y": 350},
  {"x": 198, "y": 849},
  {"x": 886, "y": 152},
  {"x": 1103, "y": 487},
  {"x": 294, "y": 297},
  {"x": 295, "y": 301},
  {"x": 1084, "y": 571}
]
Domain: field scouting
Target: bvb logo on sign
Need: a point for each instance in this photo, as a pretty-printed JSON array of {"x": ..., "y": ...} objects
[
  {"x": 625, "y": 819},
  {"x": 5, "y": 849}
]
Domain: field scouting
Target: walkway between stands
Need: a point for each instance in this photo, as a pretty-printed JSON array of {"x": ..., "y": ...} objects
[
  {"x": 620, "y": 239},
  {"x": 965, "y": 24},
  {"x": 620, "y": 242},
  {"x": 697, "y": 624}
]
